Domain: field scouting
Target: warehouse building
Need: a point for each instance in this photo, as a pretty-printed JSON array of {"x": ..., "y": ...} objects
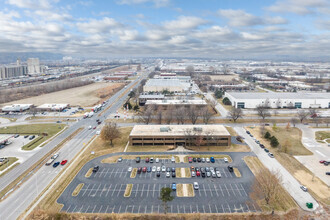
[
  {"x": 171, "y": 85},
  {"x": 201, "y": 135},
  {"x": 52, "y": 107},
  {"x": 16, "y": 108},
  {"x": 145, "y": 97},
  {"x": 279, "y": 100},
  {"x": 177, "y": 102}
]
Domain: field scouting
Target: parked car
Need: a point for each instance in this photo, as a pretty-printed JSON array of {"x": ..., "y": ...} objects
[
  {"x": 95, "y": 169},
  {"x": 207, "y": 169},
  {"x": 198, "y": 173},
  {"x": 129, "y": 169},
  {"x": 266, "y": 150},
  {"x": 168, "y": 174},
  {"x": 139, "y": 170},
  {"x": 304, "y": 188},
  {"x": 157, "y": 160},
  {"x": 154, "y": 169},
  {"x": 193, "y": 173},
  {"x": 271, "y": 155},
  {"x": 148, "y": 169},
  {"x": 190, "y": 160},
  {"x": 173, "y": 169},
  {"x": 90, "y": 127},
  {"x": 138, "y": 159},
  {"x": 26, "y": 136},
  {"x": 144, "y": 169},
  {"x": 55, "y": 156},
  {"x": 218, "y": 174},
  {"x": 163, "y": 168},
  {"x": 56, "y": 164},
  {"x": 147, "y": 160},
  {"x": 327, "y": 173},
  {"x": 192, "y": 168},
  {"x": 64, "y": 162},
  {"x": 173, "y": 174},
  {"x": 212, "y": 169},
  {"x": 120, "y": 159},
  {"x": 196, "y": 186},
  {"x": 208, "y": 174},
  {"x": 231, "y": 169},
  {"x": 225, "y": 159},
  {"x": 203, "y": 174},
  {"x": 212, "y": 159},
  {"x": 213, "y": 175},
  {"x": 199, "y": 160},
  {"x": 158, "y": 169},
  {"x": 203, "y": 169},
  {"x": 32, "y": 137},
  {"x": 262, "y": 146},
  {"x": 207, "y": 160},
  {"x": 151, "y": 160},
  {"x": 173, "y": 159},
  {"x": 322, "y": 161},
  {"x": 168, "y": 169},
  {"x": 195, "y": 159},
  {"x": 16, "y": 136},
  {"x": 203, "y": 160},
  {"x": 326, "y": 163},
  {"x": 158, "y": 173},
  {"x": 247, "y": 132}
]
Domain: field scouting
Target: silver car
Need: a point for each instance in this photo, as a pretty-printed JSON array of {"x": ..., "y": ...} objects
[
  {"x": 218, "y": 173},
  {"x": 196, "y": 186},
  {"x": 168, "y": 174},
  {"x": 163, "y": 168},
  {"x": 157, "y": 160},
  {"x": 153, "y": 169},
  {"x": 130, "y": 169},
  {"x": 193, "y": 174}
]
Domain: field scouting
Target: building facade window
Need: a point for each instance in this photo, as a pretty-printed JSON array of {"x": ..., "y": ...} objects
[
  {"x": 297, "y": 104},
  {"x": 240, "y": 104}
]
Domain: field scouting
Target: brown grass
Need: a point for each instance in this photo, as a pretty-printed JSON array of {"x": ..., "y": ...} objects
[
  {"x": 231, "y": 148},
  {"x": 237, "y": 173},
  {"x": 179, "y": 190},
  {"x": 321, "y": 135},
  {"x": 285, "y": 202},
  {"x": 10, "y": 160},
  {"x": 133, "y": 173},
  {"x": 231, "y": 131},
  {"x": 128, "y": 190},
  {"x": 89, "y": 172},
  {"x": 77, "y": 189},
  {"x": 191, "y": 191}
]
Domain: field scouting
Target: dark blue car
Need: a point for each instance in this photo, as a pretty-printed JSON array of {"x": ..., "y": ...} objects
[{"x": 56, "y": 164}]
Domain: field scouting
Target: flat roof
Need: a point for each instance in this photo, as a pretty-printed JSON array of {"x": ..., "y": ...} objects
[
  {"x": 177, "y": 102},
  {"x": 178, "y": 130},
  {"x": 164, "y": 82},
  {"x": 279, "y": 95},
  {"x": 149, "y": 96}
]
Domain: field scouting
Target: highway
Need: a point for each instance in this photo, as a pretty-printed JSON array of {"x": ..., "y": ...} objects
[{"x": 20, "y": 199}]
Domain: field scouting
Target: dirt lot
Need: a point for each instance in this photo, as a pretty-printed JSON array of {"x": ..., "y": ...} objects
[
  {"x": 224, "y": 77},
  {"x": 83, "y": 96}
]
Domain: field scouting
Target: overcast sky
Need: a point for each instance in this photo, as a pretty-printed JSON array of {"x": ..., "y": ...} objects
[{"x": 186, "y": 28}]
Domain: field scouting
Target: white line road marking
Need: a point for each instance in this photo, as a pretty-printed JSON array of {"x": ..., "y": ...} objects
[
  {"x": 216, "y": 190},
  {"x": 184, "y": 209},
  {"x": 91, "y": 190},
  {"x": 204, "y": 190},
  {"x": 119, "y": 209},
  {"x": 197, "y": 208},
  {"x": 137, "y": 188},
  {"x": 120, "y": 189},
  {"x": 106, "y": 195},
  {"x": 100, "y": 209},
  {"x": 216, "y": 208},
  {"x": 87, "y": 209},
  {"x": 227, "y": 189},
  {"x": 106, "y": 210},
  {"x": 243, "y": 189},
  {"x": 190, "y": 209},
  {"x": 139, "y": 209},
  {"x": 85, "y": 190},
  {"x": 254, "y": 208},
  {"x": 68, "y": 208},
  {"x": 132, "y": 208},
  {"x": 74, "y": 208},
  {"x": 320, "y": 153},
  {"x": 148, "y": 190},
  {"x": 158, "y": 208},
  {"x": 239, "y": 191},
  {"x": 104, "y": 187},
  {"x": 153, "y": 192},
  {"x": 126, "y": 209},
  {"x": 203, "y": 209},
  {"x": 224, "y": 172},
  {"x": 114, "y": 190},
  {"x": 142, "y": 190},
  {"x": 145, "y": 209},
  {"x": 221, "y": 190},
  {"x": 177, "y": 207},
  {"x": 210, "y": 208},
  {"x": 210, "y": 190},
  {"x": 232, "y": 189},
  {"x": 94, "y": 209},
  {"x": 223, "y": 209},
  {"x": 97, "y": 190},
  {"x": 152, "y": 208},
  {"x": 229, "y": 207}
]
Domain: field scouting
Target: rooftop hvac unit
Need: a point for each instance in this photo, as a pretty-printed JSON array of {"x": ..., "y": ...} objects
[
  {"x": 165, "y": 129},
  {"x": 198, "y": 129}
]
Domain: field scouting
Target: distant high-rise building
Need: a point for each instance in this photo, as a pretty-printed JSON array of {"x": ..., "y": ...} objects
[
  {"x": 18, "y": 62},
  {"x": 12, "y": 71}
]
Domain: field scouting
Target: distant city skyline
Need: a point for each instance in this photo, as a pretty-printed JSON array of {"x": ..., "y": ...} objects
[{"x": 216, "y": 28}]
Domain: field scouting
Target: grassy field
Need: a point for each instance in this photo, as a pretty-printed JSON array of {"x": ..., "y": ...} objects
[
  {"x": 321, "y": 135},
  {"x": 128, "y": 190},
  {"x": 285, "y": 201},
  {"x": 237, "y": 173},
  {"x": 45, "y": 131},
  {"x": 317, "y": 187},
  {"x": 10, "y": 119},
  {"x": 4, "y": 165},
  {"x": 100, "y": 147},
  {"x": 77, "y": 189},
  {"x": 81, "y": 96},
  {"x": 231, "y": 131}
]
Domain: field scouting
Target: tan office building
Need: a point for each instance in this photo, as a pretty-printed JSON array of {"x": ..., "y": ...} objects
[{"x": 192, "y": 135}]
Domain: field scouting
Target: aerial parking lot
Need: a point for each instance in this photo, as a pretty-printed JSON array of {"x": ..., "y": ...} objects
[{"x": 118, "y": 187}]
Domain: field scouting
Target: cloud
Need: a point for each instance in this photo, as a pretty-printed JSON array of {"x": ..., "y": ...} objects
[
  {"x": 32, "y": 4},
  {"x": 301, "y": 7},
  {"x": 156, "y": 3},
  {"x": 93, "y": 26},
  {"x": 240, "y": 18},
  {"x": 184, "y": 22}
]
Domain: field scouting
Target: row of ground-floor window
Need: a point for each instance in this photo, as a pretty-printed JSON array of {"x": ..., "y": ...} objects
[{"x": 193, "y": 141}]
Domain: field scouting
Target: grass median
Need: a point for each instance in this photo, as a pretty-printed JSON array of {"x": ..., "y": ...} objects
[
  {"x": 237, "y": 173},
  {"x": 7, "y": 163},
  {"x": 128, "y": 190},
  {"x": 133, "y": 173},
  {"x": 77, "y": 189}
]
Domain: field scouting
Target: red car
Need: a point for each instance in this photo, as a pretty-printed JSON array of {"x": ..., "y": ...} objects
[
  {"x": 64, "y": 162},
  {"x": 94, "y": 127},
  {"x": 322, "y": 161},
  {"x": 190, "y": 159},
  {"x": 198, "y": 173},
  {"x": 147, "y": 160},
  {"x": 144, "y": 169}
]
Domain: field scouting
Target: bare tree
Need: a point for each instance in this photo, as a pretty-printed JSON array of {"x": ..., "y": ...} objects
[
  {"x": 206, "y": 115},
  {"x": 180, "y": 114},
  {"x": 189, "y": 135},
  {"x": 169, "y": 114},
  {"x": 302, "y": 115},
  {"x": 225, "y": 69},
  {"x": 146, "y": 115},
  {"x": 235, "y": 113},
  {"x": 190, "y": 70},
  {"x": 193, "y": 114},
  {"x": 267, "y": 187},
  {"x": 294, "y": 121},
  {"x": 263, "y": 111},
  {"x": 110, "y": 132},
  {"x": 159, "y": 115}
]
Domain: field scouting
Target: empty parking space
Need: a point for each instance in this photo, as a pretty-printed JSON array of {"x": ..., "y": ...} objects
[{"x": 103, "y": 191}]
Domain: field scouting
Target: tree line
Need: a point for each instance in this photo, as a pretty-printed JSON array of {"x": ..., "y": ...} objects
[{"x": 8, "y": 95}]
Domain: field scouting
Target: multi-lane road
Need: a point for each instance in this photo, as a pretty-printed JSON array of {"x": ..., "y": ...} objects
[{"x": 20, "y": 199}]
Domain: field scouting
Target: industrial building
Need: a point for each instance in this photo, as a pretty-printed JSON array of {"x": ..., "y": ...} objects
[
  {"x": 201, "y": 135},
  {"x": 279, "y": 100},
  {"x": 13, "y": 71},
  {"x": 52, "y": 107},
  {"x": 34, "y": 67},
  {"x": 145, "y": 97},
  {"x": 177, "y": 102},
  {"x": 171, "y": 85},
  {"x": 16, "y": 108}
]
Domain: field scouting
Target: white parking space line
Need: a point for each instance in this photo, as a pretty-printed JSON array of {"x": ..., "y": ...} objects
[
  {"x": 106, "y": 195},
  {"x": 210, "y": 190},
  {"x": 210, "y": 208},
  {"x": 103, "y": 189},
  {"x": 91, "y": 190},
  {"x": 74, "y": 208},
  {"x": 229, "y": 207},
  {"x": 139, "y": 209},
  {"x": 224, "y": 172},
  {"x": 145, "y": 209},
  {"x": 247, "y": 207},
  {"x": 85, "y": 190},
  {"x": 243, "y": 189},
  {"x": 114, "y": 190},
  {"x": 216, "y": 190},
  {"x": 221, "y": 190},
  {"x": 216, "y": 208},
  {"x": 203, "y": 209},
  {"x": 106, "y": 173},
  {"x": 68, "y": 208},
  {"x": 142, "y": 191},
  {"x": 158, "y": 208},
  {"x": 148, "y": 190},
  {"x": 204, "y": 190},
  {"x": 119, "y": 209},
  {"x": 197, "y": 208},
  {"x": 231, "y": 186},
  {"x": 94, "y": 209},
  {"x": 238, "y": 190},
  {"x": 227, "y": 189},
  {"x": 106, "y": 210},
  {"x": 97, "y": 190},
  {"x": 112, "y": 170},
  {"x": 223, "y": 209},
  {"x": 126, "y": 209},
  {"x": 153, "y": 191},
  {"x": 120, "y": 189},
  {"x": 136, "y": 190},
  {"x": 100, "y": 209},
  {"x": 87, "y": 209}
]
